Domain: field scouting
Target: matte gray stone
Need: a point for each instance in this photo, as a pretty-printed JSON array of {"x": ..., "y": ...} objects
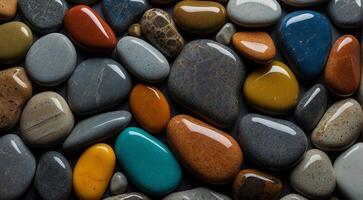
[
  {"x": 118, "y": 183},
  {"x": 304, "y": 3},
  {"x": 346, "y": 13},
  {"x": 293, "y": 197},
  {"x": 129, "y": 196},
  {"x": 200, "y": 193},
  {"x": 224, "y": 35}
]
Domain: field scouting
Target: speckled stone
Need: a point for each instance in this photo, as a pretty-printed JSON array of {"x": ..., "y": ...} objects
[
  {"x": 118, "y": 184},
  {"x": 200, "y": 83},
  {"x": 200, "y": 193},
  {"x": 224, "y": 35},
  {"x": 97, "y": 84},
  {"x": 311, "y": 107},
  {"x": 293, "y": 197},
  {"x": 271, "y": 143},
  {"x": 129, "y": 196},
  {"x": 304, "y": 3},
  {"x": 346, "y": 13}
]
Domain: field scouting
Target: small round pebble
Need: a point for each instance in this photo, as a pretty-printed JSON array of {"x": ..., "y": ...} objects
[
  {"x": 224, "y": 35},
  {"x": 200, "y": 193},
  {"x": 134, "y": 30},
  {"x": 118, "y": 183},
  {"x": 129, "y": 196},
  {"x": 293, "y": 197}
]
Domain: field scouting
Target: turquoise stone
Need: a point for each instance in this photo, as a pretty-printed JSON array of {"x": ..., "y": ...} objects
[{"x": 147, "y": 162}]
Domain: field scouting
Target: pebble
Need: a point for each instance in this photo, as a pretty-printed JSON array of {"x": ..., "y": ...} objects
[
  {"x": 51, "y": 60},
  {"x": 134, "y": 30},
  {"x": 120, "y": 14},
  {"x": 96, "y": 129},
  {"x": 159, "y": 28},
  {"x": 93, "y": 171},
  {"x": 271, "y": 143},
  {"x": 200, "y": 84},
  {"x": 142, "y": 59},
  {"x": 53, "y": 177},
  {"x": 141, "y": 155},
  {"x": 346, "y": 13},
  {"x": 304, "y": 3},
  {"x": 254, "y": 13},
  {"x": 251, "y": 184},
  {"x": 97, "y": 84},
  {"x": 348, "y": 167},
  {"x": 15, "y": 90},
  {"x": 343, "y": 69},
  {"x": 129, "y": 196},
  {"x": 299, "y": 35},
  {"x": 340, "y": 126},
  {"x": 311, "y": 107},
  {"x": 84, "y": 1},
  {"x": 210, "y": 154},
  {"x": 8, "y": 9},
  {"x": 256, "y": 46},
  {"x": 199, "y": 193},
  {"x": 293, "y": 196},
  {"x": 224, "y": 35},
  {"x": 118, "y": 183},
  {"x": 43, "y": 16},
  {"x": 163, "y": 2},
  {"x": 46, "y": 120},
  {"x": 150, "y": 108},
  {"x": 314, "y": 176},
  {"x": 199, "y": 17},
  {"x": 17, "y": 167},
  {"x": 15, "y": 40},
  {"x": 88, "y": 30},
  {"x": 272, "y": 89}
]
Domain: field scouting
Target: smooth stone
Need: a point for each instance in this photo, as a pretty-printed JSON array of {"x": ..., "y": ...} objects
[
  {"x": 348, "y": 167},
  {"x": 15, "y": 90},
  {"x": 118, "y": 183},
  {"x": 159, "y": 28},
  {"x": 300, "y": 35},
  {"x": 256, "y": 46},
  {"x": 199, "y": 83},
  {"x": 224, "y": 35},
  {"x": 8, "y": 9},
  {"x": 17, "y": 167},
  {"x": 251, "y": 184},
  {"x": 142, "y": 59},
  {"x": 199, "y": 17},
  {"x": 15, "y": 40},
  {"x": 53, "y": 178},
  {"x": 199, "y": 193},
  {"x": 134, "y": 30},
  {"x": 293, "y": 197},
  {"x": 210, "y": 154},
  {"x": 340, "y": 126},
  {"x": 163, "y": 2},
  {"x": 150, "y": 108},
  {"x": 303, "y": 178},
  {"x": 120, "y": 14},
  {"x": 88, "y": 30},
  {"x": 271, "y": 143},
  {"x": 93, "y": 171},
  {"x": 272, "y": 89},
  {"x": 96, "y": 129},
  {"x": 129, "y": 196},
  {"x": 51, "y": 60},
  {"x": 97, "y": 84},
  {"x": 141, "y": 155},
  {"x": 43, "y": 16},
  {"x": 343, "y": 69},
  {"x": 304, "y": 3},
  {"x": 346, "y": 13},
  {"x": 254, "y": 13},
  {"x": 311, "y": 107},
  {"x": 84, "y": 1}
]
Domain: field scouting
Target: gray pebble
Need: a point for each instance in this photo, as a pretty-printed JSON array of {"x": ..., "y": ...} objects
[
  {"x": 129, "y": 196},
  {"x": 118, "y": 183},
  {"x": 224, "y": 35},
  {"x": 200, "y": 193},
  {"x": 346, "y": 13},
  {"x": 84, "y": 1},
  {"x": 293, "y": 197}
]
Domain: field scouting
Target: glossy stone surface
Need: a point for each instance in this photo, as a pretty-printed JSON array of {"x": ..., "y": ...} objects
[
  {"x": 224, "y": 35},
  {"x": 305, "y": 39},
  {"x": 96, "y": 129},
  {"x": 97, "y": 84},
  {"x": 254, "y": 13},
  {"x": 304, "y": 3},
  {"x": 141, "y": 155},
  {"x": 340, "y": 126},
  {"x": 88, "y": 30},
  {"x": 293, "y": 197},
  {"x": 251, "y": 184},
  {"x": 53, "y": 177},
  {"x": 134, "y": 30},
  {"x": 17, "y": 167},
  {"x": 346, "y": 13},
  {"x": 118, "y": 184},
  {"x": 311, "y": 107},
  {"x": 303, "y": 178},
  {"x": 129, "y": 196},
  {"x": 8, "y": 9},
  {"x": 199, "y": 83},
  {"x": 210, "y": 154},
  {"x": 272, "y": 89},
  {"x": 142, "y": 59},
  {"x": 271, "y": 143},
  {"x": 51, "y": 60},
  {"x": 159, "y": 28},
  {"x": 15, "y": 90},
  {"x": 199, "y": 193},
  {"x": 93, "y": 171}
]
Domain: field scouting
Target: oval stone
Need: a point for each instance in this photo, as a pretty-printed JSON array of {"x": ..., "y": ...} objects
[
  {"x": 210, "y": 154},
  {"x": 118, "y": 184},
  {"x": 128, "y": 196},
  {"x": 199, "y": 193},
  {"x": 141, "y": 155},
  {"x": 93, "y": 171},
  {"x": 339, "y": 127},
  {"x": 304, "y": 3},
  {"x": 293, "y": 196},
  {"x": 346, "y": 13},
  {"x": 225, "y": 34},
  {"x": 8, "y": 9}
]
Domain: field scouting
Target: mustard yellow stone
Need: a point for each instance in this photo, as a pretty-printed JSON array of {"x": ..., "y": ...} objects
[
  {"x": 272, "y": 89},
  {"x": 93, "y": 172}
]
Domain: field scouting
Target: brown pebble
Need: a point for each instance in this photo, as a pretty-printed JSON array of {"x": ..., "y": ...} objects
[
  {"x": 7, "y": 9},
  {"x": 134, "y": 30}
]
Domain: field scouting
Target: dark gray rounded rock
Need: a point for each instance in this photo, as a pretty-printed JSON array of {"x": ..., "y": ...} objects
[
  {"x": 17, "y": 167},
  {"x": 271, "y": 143},
  {"x": 346, "y": 13},
  {"x": 207, "y": 78},
  {"x": 53, "y": 178}
]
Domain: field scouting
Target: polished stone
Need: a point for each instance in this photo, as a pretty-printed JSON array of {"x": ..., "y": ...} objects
[
  {"x": 118, "y": 184},
  {"x": 224, "y": 35},
  {"x": 199, "y": 193},
  {"x": 129, "y": 196},
  {"x": 346, "y": 13},
  {"x": 304, "y": 3}
]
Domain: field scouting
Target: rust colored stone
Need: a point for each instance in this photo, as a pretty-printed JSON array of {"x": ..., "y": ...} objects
[{"x": 8, "y": 9}]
